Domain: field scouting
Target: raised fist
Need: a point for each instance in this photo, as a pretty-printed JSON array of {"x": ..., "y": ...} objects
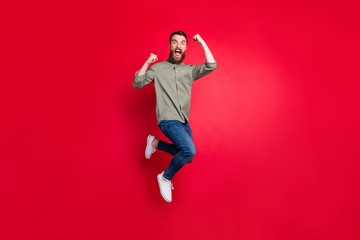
[
  {"x": 152, "y": 58},
  {"x": 197, "y": 38}
]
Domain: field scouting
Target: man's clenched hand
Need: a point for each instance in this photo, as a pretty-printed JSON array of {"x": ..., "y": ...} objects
[
  {"x": 152, "y": 58},
  {"x": 197, "y": 38}
]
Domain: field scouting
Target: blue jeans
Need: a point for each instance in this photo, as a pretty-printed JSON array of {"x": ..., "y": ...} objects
[{"x": 182, "y": 149}]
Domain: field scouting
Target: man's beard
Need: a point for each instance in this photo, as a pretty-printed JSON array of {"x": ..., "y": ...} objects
[{"x": 173, "y": 60}]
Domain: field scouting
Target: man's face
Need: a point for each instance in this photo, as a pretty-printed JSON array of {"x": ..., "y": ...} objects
[{"x": 177, "y": 48}]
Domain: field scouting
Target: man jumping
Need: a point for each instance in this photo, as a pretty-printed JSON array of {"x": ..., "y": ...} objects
[{"x": 173, "y": 80}]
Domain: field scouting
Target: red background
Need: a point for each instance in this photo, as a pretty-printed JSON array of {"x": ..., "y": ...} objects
[{"x": 276, "y": 125}]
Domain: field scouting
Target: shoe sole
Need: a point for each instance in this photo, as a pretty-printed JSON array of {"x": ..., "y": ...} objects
[
  {"x": 158, "y": 178},
  {"x": 147, "y": 145}
]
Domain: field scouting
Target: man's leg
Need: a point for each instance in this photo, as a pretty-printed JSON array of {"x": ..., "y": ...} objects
[
  {"x": 153, "y": 144},
  {"x": 188, "y": 130},
  {"x": 167, "y": 147},
  {"x": 180, "y": 134}
]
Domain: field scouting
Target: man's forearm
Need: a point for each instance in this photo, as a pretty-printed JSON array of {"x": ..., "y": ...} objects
[
  {"x": 143, "y": 69},
  {"x": 208, "y": 54},
  {"x": 152, "y": 58}
]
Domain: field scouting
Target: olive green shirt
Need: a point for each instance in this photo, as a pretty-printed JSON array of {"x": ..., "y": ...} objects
[{"x": 173, "y": 87}]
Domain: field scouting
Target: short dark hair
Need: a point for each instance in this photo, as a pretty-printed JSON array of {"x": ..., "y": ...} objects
[{"x": 178, "y": 33}]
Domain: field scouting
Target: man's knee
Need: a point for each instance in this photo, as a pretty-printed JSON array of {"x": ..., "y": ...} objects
[
  {"x": 192, "y": 151},
  {"x": 189, "y": 152}
]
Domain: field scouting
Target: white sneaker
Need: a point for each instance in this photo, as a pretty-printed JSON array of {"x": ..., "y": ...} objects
[
  {"x": 149, "y": 149},
  {"x": 165, "y": 187}
]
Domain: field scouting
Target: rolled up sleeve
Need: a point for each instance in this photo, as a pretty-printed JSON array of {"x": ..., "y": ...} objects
[
  {"x": 201, "y": 70},
  {"x": 148, "y": 77}
]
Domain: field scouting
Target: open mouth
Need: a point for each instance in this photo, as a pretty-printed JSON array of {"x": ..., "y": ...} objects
[{"x": 177, "y": 53}]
